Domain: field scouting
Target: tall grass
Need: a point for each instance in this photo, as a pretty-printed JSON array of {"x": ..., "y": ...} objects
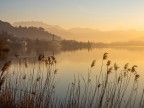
[{"x": 32, "y": 85}]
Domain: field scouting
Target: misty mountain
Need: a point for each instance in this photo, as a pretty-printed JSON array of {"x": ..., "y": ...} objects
[
  {"x": 51, "y": 28},
  {"x": 108, "y": 36},
  {"x": 27, "y": 32},
  {"x": 129, "y": 43},
  {"x": 88, "y": 34}
]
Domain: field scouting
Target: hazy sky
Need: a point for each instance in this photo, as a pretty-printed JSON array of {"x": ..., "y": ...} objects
[{"x": 98, "y": 14}]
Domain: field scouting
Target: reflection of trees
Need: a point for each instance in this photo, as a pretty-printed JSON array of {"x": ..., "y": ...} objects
[
  {"x": 9, "y": 45},
  {"x": 72, "y": 45},
  {"x": 41, "y": 46}
]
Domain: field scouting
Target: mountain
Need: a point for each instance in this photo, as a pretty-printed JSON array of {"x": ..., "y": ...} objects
[
  {"x": 88, "y": 34},
  {"x": 27, "y": 32},
  {"x": 107, "y": 36},
  {"x": 50, "y": 28},
  {"x": 129, "y": 43},
  {"x": 5, "y": 25}
]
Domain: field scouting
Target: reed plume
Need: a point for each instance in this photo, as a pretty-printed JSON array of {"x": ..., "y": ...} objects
[{"x": 93, "y": 63}]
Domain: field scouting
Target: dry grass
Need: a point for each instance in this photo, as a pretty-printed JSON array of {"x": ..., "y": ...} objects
[{"x": 35, "y": 88}]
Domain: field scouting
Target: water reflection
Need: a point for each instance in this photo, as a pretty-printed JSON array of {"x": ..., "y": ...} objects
[{"x": 77, "y": 61}]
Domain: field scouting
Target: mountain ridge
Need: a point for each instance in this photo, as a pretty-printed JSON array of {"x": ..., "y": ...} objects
[
  {"x": 28, "y": 32},
  {"x": 88, "y": 34}
]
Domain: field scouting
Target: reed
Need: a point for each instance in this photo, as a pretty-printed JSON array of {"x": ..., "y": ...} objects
[{"x": 32, "y": 85}]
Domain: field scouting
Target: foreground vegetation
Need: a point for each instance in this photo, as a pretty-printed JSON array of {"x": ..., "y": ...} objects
[{"x": 35, "y": 87}]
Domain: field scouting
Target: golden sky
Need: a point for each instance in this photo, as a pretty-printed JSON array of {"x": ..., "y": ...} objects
[{"x": 97, "y": 14}]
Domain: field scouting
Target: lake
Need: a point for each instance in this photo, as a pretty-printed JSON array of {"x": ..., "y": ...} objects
[
  {"x": 71, "y": 64},
  {"x": 78, "y": 62}
]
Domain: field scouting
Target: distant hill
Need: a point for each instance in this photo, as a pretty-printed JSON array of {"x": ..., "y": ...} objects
[
  {"x": 51, "y": 28},
  {"x": 85, "y": 34},
  {"x": 36, "y": 30},
  {"x": 129, "y": 43},
  {"x": 28, "y": 32}
]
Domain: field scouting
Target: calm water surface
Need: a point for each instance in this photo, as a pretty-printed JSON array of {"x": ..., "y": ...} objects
[
  {"x": 78, "y": 62},
  {"x": 74, "y": 63}
]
